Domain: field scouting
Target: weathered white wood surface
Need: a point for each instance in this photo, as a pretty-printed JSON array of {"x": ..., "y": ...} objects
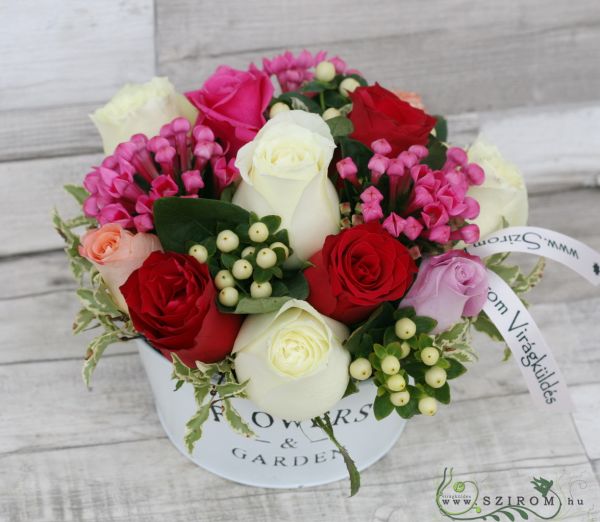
[
  {"x": 488, "y": 55},
  {"x": 69, "y": 454}
]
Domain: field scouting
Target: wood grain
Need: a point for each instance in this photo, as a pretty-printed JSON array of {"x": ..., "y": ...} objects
[
  {"x": 80, "y": 53},
  {"x": 527, "y": 52},
  {"x": 148, "y": 480}
]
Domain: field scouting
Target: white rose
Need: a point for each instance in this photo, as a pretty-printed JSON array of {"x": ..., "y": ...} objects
[
  {"x": 294, "y": 360},
  {"x": 140, "y": 109},
  {"x": 503, "y": 193},
  {"x": 284, "y": 172}
]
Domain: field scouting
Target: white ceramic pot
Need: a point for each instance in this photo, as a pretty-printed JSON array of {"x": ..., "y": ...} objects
[{"x": 284, "y": 454}]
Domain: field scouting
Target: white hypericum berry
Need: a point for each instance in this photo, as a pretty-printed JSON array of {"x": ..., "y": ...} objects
[
  {"x": 396, "y": 383},
  {"x": 227, "y": 241},
  {"x": 242, "y": 269},
  {"x": 229, "y": 296},
  {"x": 428, "y": 406},
  {"x": 435, "y": 377},
  {"x": 400, "y": 398},
  {"x": 348, "y": 85},
  {"x": 258, "y": 232},
  {"x": 360, "y": 369},
  {"x": 266, "y": 258},
  {"x": 260, "y": 290},
  {"x": 224, "y": 279},
  {"x": 325, "y": 71},
  {"x": 405, "y": 328},
  {"x": 405, "y": 350},
  {"x": 390, "y": 365},
  {"x": 199, "y": 253},
  {"x": 248, "y": 251},
  {"x": 276, "y": 108},
  {"x": 279, "y": 244},
  {"x": 331, "y": 113},
  {"x": 430, "y": 355}
]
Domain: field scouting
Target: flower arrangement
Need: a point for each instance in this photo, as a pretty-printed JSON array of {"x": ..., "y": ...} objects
[{"x": 284, "y": 246}]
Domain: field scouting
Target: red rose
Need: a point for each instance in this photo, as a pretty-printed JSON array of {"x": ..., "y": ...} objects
[
  {"x": 378, "y": 113},
  {"x": 171, "y": 300},
  {"x": 356, "y": 271},
  {"x": 232, "y": 104}
]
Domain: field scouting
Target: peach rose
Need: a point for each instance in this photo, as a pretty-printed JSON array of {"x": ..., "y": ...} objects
[
  {"x": 410, "y": 97},
  {"x": 116, "y": 253}
]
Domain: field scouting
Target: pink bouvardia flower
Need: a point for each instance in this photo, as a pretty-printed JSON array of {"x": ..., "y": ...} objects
[
  {"x": 232, "y": 103},
  {"x": 348, "y": 170},
  {"x": 371, "y": 211},
  {"x": 125, "y": 186},
  {"x": 448, "y": 287},
  {"x": 371, "y": 194},
  {"x": 293, "y": 71},
  {"x": 394, "y": 224}
]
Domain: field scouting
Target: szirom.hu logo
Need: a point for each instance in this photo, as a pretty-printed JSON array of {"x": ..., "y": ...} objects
[{"x": 462, "y": 500}]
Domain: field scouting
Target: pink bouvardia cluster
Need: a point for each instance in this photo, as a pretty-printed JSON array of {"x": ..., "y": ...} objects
[
  {"x": 125, "y": 186},
  {"x": 293, "y": 71},
  {"x": 438, "y": 205}
]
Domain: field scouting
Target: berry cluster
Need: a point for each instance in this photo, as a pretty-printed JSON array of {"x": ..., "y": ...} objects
[
  {"x": 244, "y": 262},
  {"x": 409, "y": 368}
]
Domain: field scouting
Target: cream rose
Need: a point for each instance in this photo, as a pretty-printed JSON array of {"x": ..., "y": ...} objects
[
  {"x": 294, "y": 360},
  {"x": 140, "y": 109},
  {"x": 116, "y": 253},
  {"x": 503, "y": 193},
  {"x": 284, "y": 172}
]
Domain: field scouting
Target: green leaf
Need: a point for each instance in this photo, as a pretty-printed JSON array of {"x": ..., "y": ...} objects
[
  {"x": 273, "y": 223},
  {"x": 351, "y": 388},
  {"x": 441, "y": 128},
  {"x": 264, "y": 305},
  {"x": 94, "y": 352},
  {"x": 496, "y": 259},
  {"x": 381, "y": 317},
  {"x": 298, "y": 101},
  {"x": 507, "y": 354},
  {"x": 194, "y": 426},
  {"x": 340, "y": 126},
  {"x": 317, "y": 86},
  {"x": 325, "y": 424},
  {"x": 231, "y": 388},
  {"x": 483, "y": 324},
  {"x": 437, "y": 154},
  {"x": 441, "y": 394},
  {"x": 382, "y": 406},
  {"x": 411, "y": 408},
  {"x": 337, "y": 101},
  {"x": 455, "y": 369},
  {"x": 83, "y": 318},
  {"x": 508, "y": 273},
  {"x": 235, "y": 420},
  {"x": 406, "y": 311},
  {"x": 179, "y": 220},
  {"x": 79, "y": 193},
  {"x": 424, "y": 324}
]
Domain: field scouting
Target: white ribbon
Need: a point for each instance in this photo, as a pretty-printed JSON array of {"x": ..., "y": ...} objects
[
  {"x": 514, "y": 322},
  {"x": 534, "y": 357},
  {"x": 545, "y": 243}
]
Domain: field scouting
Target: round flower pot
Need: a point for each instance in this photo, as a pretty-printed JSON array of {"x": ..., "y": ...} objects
[{"x": 284, "y": 454}]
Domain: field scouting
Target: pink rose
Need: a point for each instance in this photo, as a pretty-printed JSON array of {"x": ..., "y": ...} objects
[
  {"x": 448, "y": 287},
  {"x": 116, "y": 253},
  {"x": 232, "y": 104}
]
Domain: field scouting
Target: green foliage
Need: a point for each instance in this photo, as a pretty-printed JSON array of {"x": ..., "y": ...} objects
[
  {"x": 324, "y": 422},
  {"x": 181, "y": 222},
  {"x": 98, "y": 308},
  {"x": 441, "y": 128},
  {"x": 340, "y": 126},
  {"x": 298, "y": 101},
  {"x": 213, "y": 384}
]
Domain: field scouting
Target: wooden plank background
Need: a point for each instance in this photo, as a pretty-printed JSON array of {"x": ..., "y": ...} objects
[{"x": 525, "y": 73}]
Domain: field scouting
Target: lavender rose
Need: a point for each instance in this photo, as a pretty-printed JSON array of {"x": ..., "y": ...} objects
[{"x": 448, "y": 287}]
